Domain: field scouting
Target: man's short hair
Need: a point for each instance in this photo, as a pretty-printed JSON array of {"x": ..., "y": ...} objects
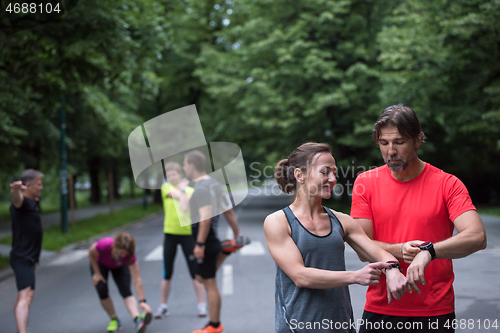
[
  {"x": 197, "y": 158},
  {"x": 401, "y": 117},
  {"x": 29, "y": 176}
]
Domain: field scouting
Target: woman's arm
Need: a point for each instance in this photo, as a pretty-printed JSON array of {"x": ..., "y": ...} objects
[
  {"x": 367, "y": 248},
  {"x": 137, "y": 282},
  {"x": 97, "y": 276},
  {"x": 287, "y": 256},
  {"x": 136, "y": 279}
]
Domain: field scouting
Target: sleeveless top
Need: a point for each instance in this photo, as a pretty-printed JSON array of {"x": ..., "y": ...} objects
[{"x": 314, "y": 310}]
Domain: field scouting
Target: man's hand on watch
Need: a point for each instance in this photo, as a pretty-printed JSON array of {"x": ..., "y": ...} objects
[
  {"x": 410, "y": 250},
  {"x": 415, "y": 272}
]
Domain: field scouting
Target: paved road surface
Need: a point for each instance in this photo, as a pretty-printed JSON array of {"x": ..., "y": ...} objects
[{"x": 65, "y": 300}]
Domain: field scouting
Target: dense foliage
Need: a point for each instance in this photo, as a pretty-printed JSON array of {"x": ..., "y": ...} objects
[{"x": 267, "y": 75}]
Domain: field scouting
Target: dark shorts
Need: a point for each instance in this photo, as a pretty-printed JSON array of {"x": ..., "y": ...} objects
[
  {"x": 378, "y": 323},
  {"x": 187, "y": 243},
  {"x": 24, "y": 271},
  {"x": 208, "y": 266},
  {"x": 122, "y": 278}
]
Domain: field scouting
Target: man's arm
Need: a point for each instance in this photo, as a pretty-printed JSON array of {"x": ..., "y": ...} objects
[
  {"x": 392, "y": 248},
  {"x": 471, "y": 237},
  {"x": 16, "y": 193},
  {"x": 232, "y": 221},
  {"x": 203, "y": 230}
]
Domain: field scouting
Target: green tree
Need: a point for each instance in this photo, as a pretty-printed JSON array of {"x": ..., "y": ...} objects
[
  {"x": 286, "y": 72},
  {"x": 442, "y": 59}
]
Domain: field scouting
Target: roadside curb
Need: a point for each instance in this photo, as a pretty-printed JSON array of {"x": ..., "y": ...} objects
[{"x": 48, "y": 256}]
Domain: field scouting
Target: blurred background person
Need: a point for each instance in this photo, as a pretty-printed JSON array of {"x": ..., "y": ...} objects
[{"x": 118, "y": 257}]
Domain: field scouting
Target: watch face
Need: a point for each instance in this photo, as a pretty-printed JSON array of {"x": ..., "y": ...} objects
[{"x": 426, "y": 244}]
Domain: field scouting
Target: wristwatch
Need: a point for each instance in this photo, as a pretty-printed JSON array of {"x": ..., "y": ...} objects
[
  {"x": 428, "y": 246},
  {"x": 200, "y": 244},
  {"x": 393, "y": 264}
]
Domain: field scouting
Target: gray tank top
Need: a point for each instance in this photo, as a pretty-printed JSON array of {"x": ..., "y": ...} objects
[{"x": 314, "y": 310}]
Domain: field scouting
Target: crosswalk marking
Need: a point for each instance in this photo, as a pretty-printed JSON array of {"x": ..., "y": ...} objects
[
  {"x": 69, "y": 258},
  {"x": 227, "y": 280},
  {"x": 255, "y": 248},
  {"x": 156, "y": 254}
]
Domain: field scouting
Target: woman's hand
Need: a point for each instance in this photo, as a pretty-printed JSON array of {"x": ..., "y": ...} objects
[
  {"x": 96, "y": 277},
  {"x": 370, "y": 274}
]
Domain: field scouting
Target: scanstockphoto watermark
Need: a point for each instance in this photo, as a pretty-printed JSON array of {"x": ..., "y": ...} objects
[
  {"x": 267, "y": 172},
  {"x": 383, "y": 326}
]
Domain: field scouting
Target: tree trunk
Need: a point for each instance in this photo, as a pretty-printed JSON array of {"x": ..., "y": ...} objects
[
  {"x": 95, "y": 188},
  {"x": 116, "y": 184}
]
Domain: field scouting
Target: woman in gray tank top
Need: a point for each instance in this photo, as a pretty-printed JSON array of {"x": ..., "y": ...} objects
[{"x": 306, "y": 240}]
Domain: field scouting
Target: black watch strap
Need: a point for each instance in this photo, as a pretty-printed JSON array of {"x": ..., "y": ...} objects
[
  {"x": 393, "y": 264},
  {"x": 200, "y": 244},
  {"x": 428, "y": 246},
  {"x": 143, "y": 301}
]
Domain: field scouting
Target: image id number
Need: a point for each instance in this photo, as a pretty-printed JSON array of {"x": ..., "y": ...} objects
[
  {"x": 470, "y": 324},
  {"x": 33, "y": 8}
]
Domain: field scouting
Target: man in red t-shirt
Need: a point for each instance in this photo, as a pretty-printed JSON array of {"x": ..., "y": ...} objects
[{"x": 410, "y": 209}]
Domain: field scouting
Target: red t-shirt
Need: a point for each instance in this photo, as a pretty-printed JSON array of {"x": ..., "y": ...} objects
[{"x": 423, "y": 208}]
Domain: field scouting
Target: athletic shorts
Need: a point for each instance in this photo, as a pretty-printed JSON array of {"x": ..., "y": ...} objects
[
  {"x": 122, "y": 278},
  {"x": 24, "y": 271},
  {"x": 206, "y": 268},
  {"x": 378, "y": 323},
  {"x": 170, "y": 249}
]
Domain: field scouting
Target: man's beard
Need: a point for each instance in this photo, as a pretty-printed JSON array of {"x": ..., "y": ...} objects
[{"x": 403, "y": 164}]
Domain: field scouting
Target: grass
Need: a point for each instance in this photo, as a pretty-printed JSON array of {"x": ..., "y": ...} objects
[
  {"x": 4, "y": 262},
  {"x": 54, "y": 240},
  {"x": 495, "y": 211},
  {"x": 81, "y": 198}
]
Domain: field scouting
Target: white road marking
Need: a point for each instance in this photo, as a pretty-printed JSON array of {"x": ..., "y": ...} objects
[
  {"x": 255, "y": 248},
  {"x": 227, "y": 280},
  {"x": 70, "y": 258},
  {"x": 156, "y": 254}
]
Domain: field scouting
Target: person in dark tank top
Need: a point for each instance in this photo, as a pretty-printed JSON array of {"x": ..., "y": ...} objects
[{"x": 306, "y": 240}]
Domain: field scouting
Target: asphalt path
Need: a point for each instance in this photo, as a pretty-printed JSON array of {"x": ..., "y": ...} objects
[{"x": 65, "y": 300}]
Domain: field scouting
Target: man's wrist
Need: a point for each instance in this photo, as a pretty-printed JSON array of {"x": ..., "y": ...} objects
[
  {"x": 200, "y": 244},
  {"x": 428, "y": 247}
]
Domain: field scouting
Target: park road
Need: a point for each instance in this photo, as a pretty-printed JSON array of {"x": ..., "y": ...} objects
[{"x": 65, "y": 300}]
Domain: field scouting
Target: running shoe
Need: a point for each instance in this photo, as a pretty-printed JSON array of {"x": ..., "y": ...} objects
[
  {"x": 114, "y": 325},
  {"x": 233, "y": 245},
  {"x": 211, "y": 329},
  {"x": 202, "y": 310},
  {"x": 142, "y": 321},
  {"x": 161, "y": 313}
]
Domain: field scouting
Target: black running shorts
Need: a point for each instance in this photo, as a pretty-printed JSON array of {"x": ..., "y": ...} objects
[
  {"x": 24, "y": 271},
  {"x": 207, "y": 267}
]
